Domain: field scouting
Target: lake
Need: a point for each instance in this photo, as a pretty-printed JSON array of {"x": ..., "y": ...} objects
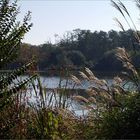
[
  {"x": 52, "y": 86},
  {"x": 58, "y": 91}
]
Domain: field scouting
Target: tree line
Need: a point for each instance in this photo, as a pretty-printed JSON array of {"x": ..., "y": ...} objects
[{"x": 81, "y": 48}]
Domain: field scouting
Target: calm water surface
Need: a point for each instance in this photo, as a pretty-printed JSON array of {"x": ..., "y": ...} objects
[{"x": 57, "y": 82}]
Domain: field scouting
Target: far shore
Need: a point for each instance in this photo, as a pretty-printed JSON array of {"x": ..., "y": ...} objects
[{"x": 64, "y": 72}]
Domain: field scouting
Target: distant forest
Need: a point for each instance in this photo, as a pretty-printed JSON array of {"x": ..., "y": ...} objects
[{"x": 81, "y": 48}]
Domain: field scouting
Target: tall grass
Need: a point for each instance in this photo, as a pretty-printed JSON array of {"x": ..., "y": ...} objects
[
  {"x": 114, "y": 109},
  {"x": 114, "y": 112}
]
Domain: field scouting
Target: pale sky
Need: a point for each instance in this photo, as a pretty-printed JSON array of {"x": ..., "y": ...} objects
[{"x": 52, "y": 17}]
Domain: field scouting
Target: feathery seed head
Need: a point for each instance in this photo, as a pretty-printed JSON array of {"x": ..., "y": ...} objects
[{"x": 75, "y": 79}]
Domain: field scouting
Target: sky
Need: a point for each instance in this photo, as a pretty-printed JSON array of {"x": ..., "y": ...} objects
[{"x": 51, "y": 17}]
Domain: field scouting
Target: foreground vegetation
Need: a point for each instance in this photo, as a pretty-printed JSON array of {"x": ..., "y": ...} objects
[{"x": 113, "y": 110}]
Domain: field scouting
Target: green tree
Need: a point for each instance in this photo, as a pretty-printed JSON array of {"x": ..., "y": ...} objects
[
  {"x": 11, "y": 34},
  {"x": 77, "y": 58}
]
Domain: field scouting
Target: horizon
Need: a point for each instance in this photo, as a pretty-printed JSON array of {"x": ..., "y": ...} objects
[{"x": 54, "y": 18}]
